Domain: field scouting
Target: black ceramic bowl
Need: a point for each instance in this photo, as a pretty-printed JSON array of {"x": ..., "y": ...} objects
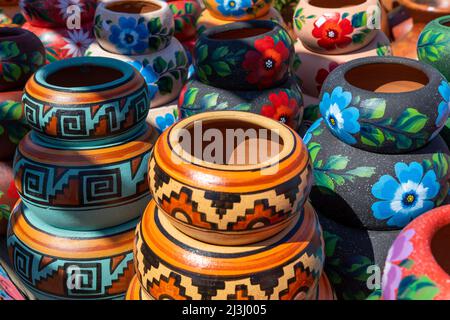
[
  {"x": 244, "y": 55},
  {"x": 385, "y": 104}
]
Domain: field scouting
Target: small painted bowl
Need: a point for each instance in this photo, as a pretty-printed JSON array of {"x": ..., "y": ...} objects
[
  {"x": 8, "y": 194},
  {"x": 85, "y": 188},
  {"x": 337, "y": 27},
  {"x": 70, "y": 265},
  {"x": 385, "y": 104},
  {"x": 393, "y": 189},
  {"x": 171, "y": 265},
  {"x": 238, "y": 10},
  {"x": 283, "y": 103},
  {"x": 434, "y": 45},
  {"x": 418, "y": 263},
  {"x": 185, "y": 14},
  {"x": 133, "y": 27},
  {"x": 232, "y": 197},
  {"x": 86, "y": 99},
  {"x": 22, "y": 53},
  {"x": 244, "y": 55}
]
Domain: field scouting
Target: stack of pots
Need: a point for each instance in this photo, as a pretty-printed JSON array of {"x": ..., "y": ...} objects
[
  {"x": 10, "y": 12},
  {"x": 22, "y": 53},
  {"x": 64, "y": 27},
  {"x": 379, "y": 162},
  {"x": 81, "y": 174},
  {"x": 224, "y": 229}
]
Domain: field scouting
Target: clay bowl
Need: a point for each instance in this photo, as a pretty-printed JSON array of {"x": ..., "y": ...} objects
[
  {"x": 237, "y": 196},
  {"x": 387, "y": 105}
]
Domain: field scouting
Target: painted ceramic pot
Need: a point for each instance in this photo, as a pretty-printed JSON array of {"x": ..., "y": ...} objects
[
  {"x": 58, "y": 13},
  {"x": 162, "y": 118},
  {"x": 86, "y": 188},
  {"x": 434, "y": 45},
  {"x": 283, "y": 103},
  {"x": 385, "y": 104},
  {"x": 208, "y": 198},
  {"x": 325, "y": 290},
  {"x": 394, "y": 189},
  {"x": 62, "y": 43},
  {"x": 11, "y": 287},
  {"x": 62, "y": 264},
  {"x": 238, "y": 10},
  {"x": 244, "y": 55},
  {"x": 418, "y": 263},
  {"x": 185, "y": 14},
  {"x": 165, "y": 72},
  {"x": 354, "y": 257},
  {"x": 331, "y": 27},
  {"x": 315, "y": 67},
  {"x": 133, "y": 27},
  {"x": 11, "y": 15},
  {"x": 171, "y": 265},
  {"x": 22, "y": 53},
  {"x": 87, "y": 98},
  {"x": 8, "y": 194}
]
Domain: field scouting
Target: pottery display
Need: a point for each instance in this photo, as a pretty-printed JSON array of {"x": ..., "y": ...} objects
[
  {"x": 185, "y": 14},
  {"x": 163, "y": 117},
  {"x": 331, "y": 27},
  {"x": 8, "y": 194},
  {"x": 233, "y": 10},
  {"x": 62, "y": 264},
  {"x": 10, "y": 286},
  {"x": 385, "y": 104}
]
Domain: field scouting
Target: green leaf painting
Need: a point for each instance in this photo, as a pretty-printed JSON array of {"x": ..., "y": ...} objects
[
  {"x": 432, "y": 45},
  {"x": 417, "y": 288},
  {"x": 300, "y": 18}
]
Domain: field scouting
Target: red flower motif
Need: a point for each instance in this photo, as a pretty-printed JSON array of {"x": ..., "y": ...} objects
[
  {"x": 268, "y": 64},
  {"x": 282, "y": 109},
  {"x": 331, "y": 32},
  {"x": 181, "y": 96},
  {"x": 322, "y": 75},
  {"x": 12, "y": 191}
]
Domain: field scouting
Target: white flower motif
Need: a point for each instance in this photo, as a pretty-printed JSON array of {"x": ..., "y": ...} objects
[
  {"x": 77, "y": 43},
  {"x": 63, "y": 5},
  {"x": 334, "y": 116}
]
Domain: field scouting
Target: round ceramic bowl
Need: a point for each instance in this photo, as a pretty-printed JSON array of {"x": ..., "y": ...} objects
[
  {"x": 87, "y": 188},
  {"x": 434, "y": 45},
  {"x": 385, "y": 104},
  {"x": 315, "y": 67},
  {"x": 86, "y": 99},
  {"x": 336, "y": 27},
  {"x": 251, "y": 55},
  {"x": 185, "y": 14},
  {"x": 62, "y": 264},
  {"x": 238, "y": 10},
  {"x": 165, "y": 72},
  {"x": 172, "y": 265},
  {"x": 243, "y": 194},
  {"x": 393, "y": 189},
  {"x": 418, "y": 263},
  {"x": 22, "y": 53},
  {"x": 133, "y": 27},
  {"x": 58, "y": 14},
  {"x": 8, "y": 194}
]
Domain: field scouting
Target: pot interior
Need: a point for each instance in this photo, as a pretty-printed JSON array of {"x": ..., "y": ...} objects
[
  {"x": 133, "y": 7},
  {"x": 387, "y": 78},
  {"x": 335, "y": 4},
  {"x": 446, "y": 22},
  {"x": 83, "y": 76},
  {"x": 440, "y": 245},
  {"x": 239, "y": 33}
]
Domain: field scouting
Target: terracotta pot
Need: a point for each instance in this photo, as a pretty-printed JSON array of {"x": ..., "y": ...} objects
[
  {"x": 8, "y": 194},
  {"x": 133, "y": 27},
  {"x": 325, "y": 290},
  {"x": 165, "y": 72},
  {"x": 285, "y": 267},
  {"x": 22, "y": 53},
  {"x": 162, "y": 118},
  {"x": 385, "y": 104},
  {"x": 434, "y": 45},
  {"x": 337, "y": 27},
  {"x": 61, "y": 264},
  {"x": 11, "y": 287},
  {"x": 185, "y": 14},
  {"x": 393, "y": 189},
  {"x": 56, "y": 13},
  {"x": 11, "y": 15},
  {"x": 315, "y": 67},
  {"x": 283, "y": 103},
  {"x": 221, "y": 207},
  {"x": 238, "y": 10},
  {"x": 418, "y": 263},
  {"x": 87, "y": 188}
]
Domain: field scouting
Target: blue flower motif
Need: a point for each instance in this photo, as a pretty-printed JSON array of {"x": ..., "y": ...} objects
[
  {"x": 309, "y": 134},
  {"x": 233, "y": 7},
  {"x": 407, "y": 198},
  {"x": 130, "y": 36},
  {"x": 339, "y": 116},
  {"x": 149, "y": 75},
  {"x": 164, "y": 122},
  {"x": 444, "y": 106}
]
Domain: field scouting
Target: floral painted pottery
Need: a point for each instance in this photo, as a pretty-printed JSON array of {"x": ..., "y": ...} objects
[
  {"x": 315, "y": 67},
  {"x": 8, "y": 194},
  {"x": 85, "y": 99},
  {"x": 62, "y": 264},
  {"x": 133, "y": 27},
  {"x": 185, "y": 14},
  {"x": 11, "y": 15},
  {"x": 172, "y": 265},
  {"x": 165, "y": 72},
  {"x": 394, "y": 189},
  {"x": 354, "y": 257},
  {"x": 336, "y": 27},
  {"x": 244, "y": 55},
  {"x": 11, "y": 287},
  {"x": 325, "y": 290},
  {"x": 434, "y": 45},
  {"x": 283, "y": 103},
  {"x": 21, "y": 54},
  {"x": 238, "y": 10},
  {"x": 58, "y": 13},
  {"x": 210, "y": 200},
  {"x": 163, "y": 117},
  {"x": 385, "y": 104},
  {"x": 418, "y": 263}
]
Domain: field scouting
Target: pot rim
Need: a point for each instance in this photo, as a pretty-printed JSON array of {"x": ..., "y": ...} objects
[
  {"x": 250, "y": 24},
  {"x": 103, "y": 6}
]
